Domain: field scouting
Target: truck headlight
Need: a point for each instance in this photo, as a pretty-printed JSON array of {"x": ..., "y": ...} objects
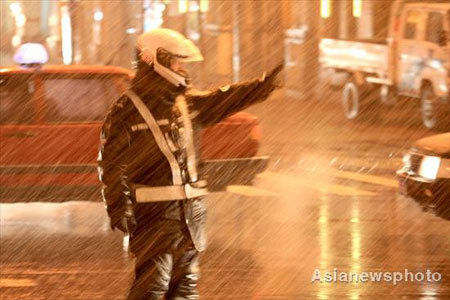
[{"x": 429, "y": 167}]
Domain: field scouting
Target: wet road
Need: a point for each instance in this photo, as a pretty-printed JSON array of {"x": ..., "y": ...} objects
[{"x": 328, "y": 202}]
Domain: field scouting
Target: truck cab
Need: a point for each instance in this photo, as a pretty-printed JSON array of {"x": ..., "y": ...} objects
[{"x": 423, "y": 57}]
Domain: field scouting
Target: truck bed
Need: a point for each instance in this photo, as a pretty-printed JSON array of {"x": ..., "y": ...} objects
[{"x": 368, "y": 56}]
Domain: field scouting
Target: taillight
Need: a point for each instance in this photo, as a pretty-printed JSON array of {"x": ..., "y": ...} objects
[{"x": 256, "y": 133}]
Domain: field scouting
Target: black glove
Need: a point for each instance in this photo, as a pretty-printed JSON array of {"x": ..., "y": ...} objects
[
  {"x": 268, "y": 83},
  {"x": 125, "y": 222},
  {"x": 273, "y": 77}
]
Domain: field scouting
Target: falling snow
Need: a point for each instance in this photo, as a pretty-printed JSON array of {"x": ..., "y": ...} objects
[{"x": 328, "y": 199}]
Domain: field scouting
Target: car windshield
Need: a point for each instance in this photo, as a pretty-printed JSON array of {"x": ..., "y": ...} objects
[
  {"x": 78, "y": 98},
  {"x": 16, "y": 99}
]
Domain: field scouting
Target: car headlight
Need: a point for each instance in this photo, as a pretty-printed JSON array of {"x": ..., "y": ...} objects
[{"x": 429, "y": 167}]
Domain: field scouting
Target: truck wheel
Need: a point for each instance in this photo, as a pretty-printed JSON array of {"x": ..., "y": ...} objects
[
  {"x": 387, "y": 95},
  {"x": 434, "y": 114},
  {"x": 357, "y": 102}
]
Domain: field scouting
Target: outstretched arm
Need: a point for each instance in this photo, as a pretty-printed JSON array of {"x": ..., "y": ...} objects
[{"x": 213, "y": 106}]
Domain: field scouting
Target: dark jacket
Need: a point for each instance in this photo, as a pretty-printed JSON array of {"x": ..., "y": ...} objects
[{"x": 129, "y": 153}]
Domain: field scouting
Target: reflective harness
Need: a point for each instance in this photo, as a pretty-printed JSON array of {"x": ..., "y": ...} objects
[{"x": 178, "y": 190}]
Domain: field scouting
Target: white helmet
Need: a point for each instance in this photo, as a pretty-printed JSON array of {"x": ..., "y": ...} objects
[{"x": 159, "y": 46}]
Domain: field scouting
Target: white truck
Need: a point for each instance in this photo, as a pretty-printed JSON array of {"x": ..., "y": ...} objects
[{"x": 414, "y": 61}]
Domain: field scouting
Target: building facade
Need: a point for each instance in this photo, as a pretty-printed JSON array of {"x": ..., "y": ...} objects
[{"x": 239, "y": 39}]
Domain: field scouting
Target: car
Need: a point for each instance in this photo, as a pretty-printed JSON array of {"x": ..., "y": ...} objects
[
  {"x": 425, "y": 174},
  {"x": 50, "y": 120}
]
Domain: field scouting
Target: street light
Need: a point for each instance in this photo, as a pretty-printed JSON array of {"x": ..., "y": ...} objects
[
  {"x": 182, "y": 6},
  {"x": 357, "y": 8},
  {"x": 204, "y": 5},
  {"x": 98, "y": 15},
  {"x": 66, "y": 30},
  {"x": 15, "y": 8},
  {"x": 325, "y": 9}
]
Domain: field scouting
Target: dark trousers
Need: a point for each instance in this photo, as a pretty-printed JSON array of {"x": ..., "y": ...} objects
[{"x": 167, "y": 264}]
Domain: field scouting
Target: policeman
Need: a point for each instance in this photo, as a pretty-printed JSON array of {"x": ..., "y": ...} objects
[{"x": 148, "y": 164}]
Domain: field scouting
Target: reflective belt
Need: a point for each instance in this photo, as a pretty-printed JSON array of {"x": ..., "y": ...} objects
[
  {"x": 169, "y": 193},
  {"x": 158, "y": 135}
]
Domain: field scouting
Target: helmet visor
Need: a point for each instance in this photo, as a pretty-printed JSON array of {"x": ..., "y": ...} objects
[{"x": 172, "y": 62}]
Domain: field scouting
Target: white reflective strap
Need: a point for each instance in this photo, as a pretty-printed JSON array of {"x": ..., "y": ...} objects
[
  {"x": 158, "y": 135},
  {"x": 163, "y": 122},
  {"x": 192, "y": 115},
  {"x": 167, "y": 193},
  {"x": 190, "y": 150},
  {"x": 169, "y": 141},
  {"x": 193, "y": 192},
  {"x": 140, "y": 126},
  {"x": 144, "y": 126},
  {"x": 156, "y": 194}
]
